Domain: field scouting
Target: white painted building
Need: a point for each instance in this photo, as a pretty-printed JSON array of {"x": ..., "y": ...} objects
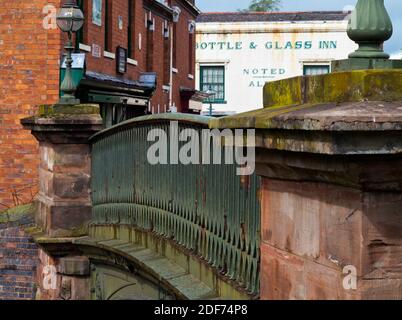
[
  {"x": 397, "y": 56},
  {"x": 238, "y": 52}
]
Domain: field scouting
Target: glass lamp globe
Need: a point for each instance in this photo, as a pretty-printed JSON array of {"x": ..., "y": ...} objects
[{"x": 70, "y": 18}]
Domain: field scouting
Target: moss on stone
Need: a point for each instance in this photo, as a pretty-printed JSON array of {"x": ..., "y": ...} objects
[
  {"x": 351, "y": 86},
  {"x": 77, "y": 232},
  {"x": 17, "y": 213},
  {"x": 283, "y": 92},
  {"x": 260, "y": 118},
  {"x": 54, "y": 110}
]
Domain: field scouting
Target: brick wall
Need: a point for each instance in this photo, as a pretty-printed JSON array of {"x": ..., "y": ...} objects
[
  {"x": 94, "y": 34},
  {"x": 182, "y": 55},
  {"x": 29, "y": 59},
  {"x": 18, "y": 259},
  {"x": 29, "y": 75}
]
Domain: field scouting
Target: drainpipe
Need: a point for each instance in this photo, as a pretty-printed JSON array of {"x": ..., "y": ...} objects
[{"x": 171, "y": 67}]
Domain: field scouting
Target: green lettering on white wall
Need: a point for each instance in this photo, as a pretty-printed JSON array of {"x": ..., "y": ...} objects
[{"x": 270, "y": 45}]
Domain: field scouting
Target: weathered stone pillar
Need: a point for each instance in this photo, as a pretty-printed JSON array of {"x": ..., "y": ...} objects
[
  {"x": 63, "y": 205},
  {"x": 63, "y": 202},
  {"x": 329, "y": 150}
]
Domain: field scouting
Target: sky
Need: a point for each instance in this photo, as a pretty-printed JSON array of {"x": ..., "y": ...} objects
[{"x": 392, "y": 46}]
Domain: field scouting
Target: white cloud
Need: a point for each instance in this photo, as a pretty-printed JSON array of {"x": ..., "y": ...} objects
[{"x": 396, "y": 55}]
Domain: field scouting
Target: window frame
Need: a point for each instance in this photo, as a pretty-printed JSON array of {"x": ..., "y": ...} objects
[
  {"x": 202, "y": 69},
  {"x": 307, "y": 65},
  {"x": 79, "y": 37},
  {"x": 130, "y": 33},
  {"x": 108, "y": 27}
]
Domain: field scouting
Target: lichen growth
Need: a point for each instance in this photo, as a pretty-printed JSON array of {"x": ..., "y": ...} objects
[
  {"x": 351, "y": 86},
  {"x": 17, "y": 213},
  {"x": 56, "y": 110}
]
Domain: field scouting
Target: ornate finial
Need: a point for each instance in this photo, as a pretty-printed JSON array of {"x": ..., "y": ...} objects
[{"x": 370, "y": 26}]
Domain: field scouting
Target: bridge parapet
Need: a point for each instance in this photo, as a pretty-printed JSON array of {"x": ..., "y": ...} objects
[
  {"x": 98, "y": 202},
  {"x": 329, "y": 151},
  {"x": 206, "y": 209}
]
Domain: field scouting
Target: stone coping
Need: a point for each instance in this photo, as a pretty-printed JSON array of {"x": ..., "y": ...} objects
[
  {"x": 347, "y": 116},
  {"x": 360, "y": 100},
  {"x": 53, "y": 110},
  {"x": 344, "y": 113},
  {"x": 337, "y": 87},
  {"x": 83, "y": 117}
]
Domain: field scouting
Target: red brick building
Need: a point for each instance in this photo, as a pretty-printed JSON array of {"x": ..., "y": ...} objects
[{"x": 139, "y": 59}]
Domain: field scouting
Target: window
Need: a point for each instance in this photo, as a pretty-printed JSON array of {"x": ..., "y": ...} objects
[
  {"x": 175, "y": 45},
  {"x": 80, "y": 34},
  {"x": 176, "y": 17},
  {"x": 190, "y": 53},
  {"x": 166, "y": 54},
  {"x": 191, "y": 31},
  {"x": 131, "y": 28},
  {"x": 213, "y": 78},
  {"x": 108, "y": 25},
  {"x": 313, "y": 70},
  {"x": 150, "y": 43}
]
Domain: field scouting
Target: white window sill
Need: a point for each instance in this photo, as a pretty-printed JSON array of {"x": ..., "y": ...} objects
[
  {"x": 109, "y": 55},
  {"x": 85, "y": 47},
  {"x": 132, "y": 62}
]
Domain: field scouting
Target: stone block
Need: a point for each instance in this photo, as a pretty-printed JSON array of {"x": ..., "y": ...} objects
[
  {"x": 69, "y": 220},
  {"x": 46, "y": 182},
  {"x": 74, "y": 266},
  {"x": 311, "y": 220},
  {"x": 81, "y": 288},
  {"x": 381, "y": 289},
  {"x": 286, "y": 276},
  {"x": 47, "y": 156},
  {"x": 72, "y": 157},
  {"x": 382, "y": 235},
  {"x": 72, "y": 186},
  {"x": 281, "y": 275}
]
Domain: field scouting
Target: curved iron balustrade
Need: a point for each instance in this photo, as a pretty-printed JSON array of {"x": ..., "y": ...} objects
[{"x": 207, "y": 209}]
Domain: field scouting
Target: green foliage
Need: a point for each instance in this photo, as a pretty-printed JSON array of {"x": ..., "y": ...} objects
[{"x": 263, "y": 6}]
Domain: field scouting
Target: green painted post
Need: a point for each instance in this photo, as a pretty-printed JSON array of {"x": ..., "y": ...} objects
[
  {"x": 370, "y": 26},
  {"x": 68, "y": 86}
]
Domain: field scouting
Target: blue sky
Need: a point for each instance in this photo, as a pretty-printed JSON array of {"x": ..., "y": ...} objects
[{"x": 394, "y": 8}]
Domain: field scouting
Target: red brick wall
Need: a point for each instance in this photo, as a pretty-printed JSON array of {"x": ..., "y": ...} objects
[
  {"x": 18, "y": 261},
  {"x": 181, "y": 78},
  {"x": 29, "y": 60},
  {"x": 29, "y": 76},
  {"x": 96, "y": 35}
]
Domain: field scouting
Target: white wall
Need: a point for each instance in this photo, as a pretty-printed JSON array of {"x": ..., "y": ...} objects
[
  {"x": 397, "y": 55},
  {"x": 256, "y": 52}
]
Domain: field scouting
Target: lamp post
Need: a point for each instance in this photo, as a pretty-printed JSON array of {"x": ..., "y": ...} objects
[
  {"x": 210, "y": 94},
  {"x": 370, "y": 26},
  {"x": 69, "y": 19}
]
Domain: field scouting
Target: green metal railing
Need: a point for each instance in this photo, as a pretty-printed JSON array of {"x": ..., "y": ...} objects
[{"x": 207, "y": 209}]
